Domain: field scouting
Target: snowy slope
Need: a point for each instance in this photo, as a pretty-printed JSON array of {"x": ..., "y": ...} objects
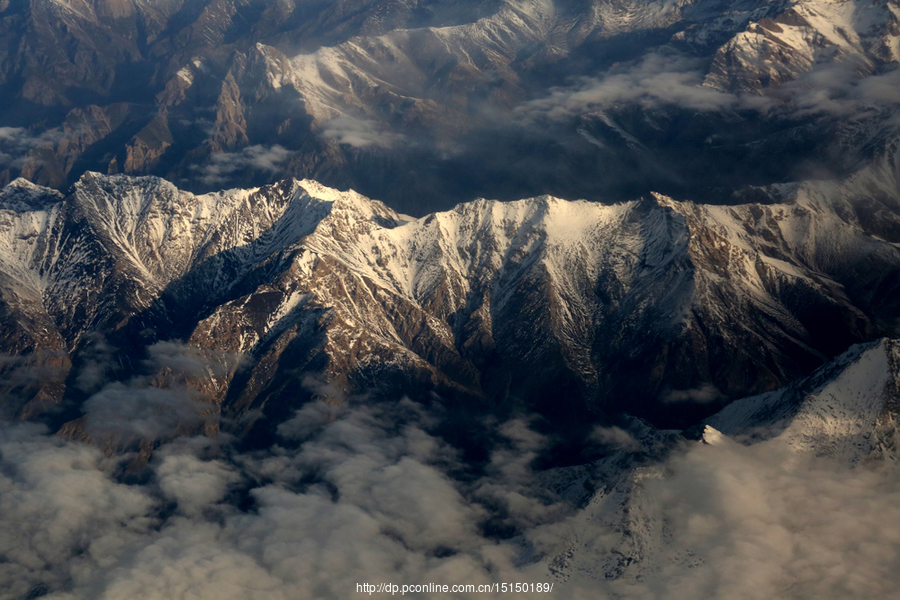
[
  {"x": 407, "y": 62},
  {"x": 628, "y": 306},
  {"x": 846, "y": 410},
  {"x": 781, "y": 41},
  {"x": 654, "y": 520}
]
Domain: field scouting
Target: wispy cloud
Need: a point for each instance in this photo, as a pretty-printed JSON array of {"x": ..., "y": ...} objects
[
  {"x": 614, "y": 436},
  {"x": 703, "y": 394},
  {"x": 654, "y": 81},
  {"x": 839, "y": 90},
  {"x": 658, "y": 81},
  {"x": 17, "y": 142},
  {"x": 360, "y": 133},
  {"x": 222, "y": 166}
]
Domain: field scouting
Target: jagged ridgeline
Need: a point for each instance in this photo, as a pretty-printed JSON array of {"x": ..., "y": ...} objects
[{"x": 578, "y": 311}]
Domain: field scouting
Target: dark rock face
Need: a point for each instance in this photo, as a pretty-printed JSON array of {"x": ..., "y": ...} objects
[{"x": 659, "y": 308}]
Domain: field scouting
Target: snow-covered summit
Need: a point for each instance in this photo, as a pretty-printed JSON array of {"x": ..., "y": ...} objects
[
  {"x": 848, "y": 409},
  {"x": 21, "y": 195},
  {"x": 631, "y": 305}
]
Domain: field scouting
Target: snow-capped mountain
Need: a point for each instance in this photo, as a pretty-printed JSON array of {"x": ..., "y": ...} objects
[
  {"x": 684, "y": 385},
  {"x": 840, "y": 418},
  {"x": 846, "y": 410},
  {"x": 553, "y": 305}
]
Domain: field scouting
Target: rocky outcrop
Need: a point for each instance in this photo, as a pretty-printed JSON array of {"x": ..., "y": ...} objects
[{"x": 142, "y": 154}]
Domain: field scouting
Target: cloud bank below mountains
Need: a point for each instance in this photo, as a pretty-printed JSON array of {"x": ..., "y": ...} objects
[
  {"x": 763, "y": 522},
  {"x": 361, "y": 492},
  {"x": 655, "y": 81}
]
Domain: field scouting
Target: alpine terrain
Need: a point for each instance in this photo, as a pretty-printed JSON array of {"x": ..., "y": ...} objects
[{"x": 300, "y": 298}]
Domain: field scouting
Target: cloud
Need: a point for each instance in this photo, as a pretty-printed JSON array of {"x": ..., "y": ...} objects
[
  {"x": 703, "y": 394},
  {"x": 364, "y": 491},
  {"x": 30, "y": 384},
  {"x": 838, "y": 90},
  {"x": 61, "y": 515},
  {"x": 17, "y": 142},
  {"x": 368, "y": 496},
  {"x": 14, "y": 136},
  {"x": 179, "y": 361},
  {"x": 654, "y": 81},
  {"x": 359, "y": 133},
  {"x": 508, "y": 484},
  {"x": 98, "y": 363},
  {"x": 195, "y": 485},
  {"x": 764, "y": 522},
  {"x": 163, "y": 401},
  {"x": 122, "y": 414},
  {"x": 614, "y": 436},
  {"x": 37, "y": 367},
  {"x": 223, "y": 165}
]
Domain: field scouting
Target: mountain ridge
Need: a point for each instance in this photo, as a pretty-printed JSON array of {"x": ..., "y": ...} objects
[
  {"x": 631, "y": 300},
  {"x": 425, "y": 105}
]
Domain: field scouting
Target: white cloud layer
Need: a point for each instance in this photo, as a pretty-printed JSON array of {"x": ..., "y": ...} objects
[
  {"x": 766, "y": 523},
  {"x": 833, "y": 89},
  {"x": 364, "y": 493}
]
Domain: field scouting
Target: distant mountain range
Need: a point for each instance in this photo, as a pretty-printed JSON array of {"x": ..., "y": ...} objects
[
  {"x": 661, "y": 359},
  {"x": 428, "y": 104}
]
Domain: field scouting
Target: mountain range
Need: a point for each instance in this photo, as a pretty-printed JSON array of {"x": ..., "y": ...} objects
[
  {"x": 296, "y": 294},
  {"x": 662, "y": 309},
  {"x": 428, "y": 104}
]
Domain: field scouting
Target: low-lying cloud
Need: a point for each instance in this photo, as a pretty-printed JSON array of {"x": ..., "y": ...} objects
[
  {"x": 839, "y": 90},
  {"x": 17, "y": 142},
  {"x": 360, "y": 133},
  {"x": 365, "y": 498},
  {"x": 359, "y": 491},
  {"x": 223, "y": 165},
  {"x": 831, "y": 89},
  {"x": 703, "y": 394},
  {"x": 615, "y": 436},
  {"x": 656, "y": 80},
  {"x": 160, "y": 401},
  {"x": 763, "y": 522}
]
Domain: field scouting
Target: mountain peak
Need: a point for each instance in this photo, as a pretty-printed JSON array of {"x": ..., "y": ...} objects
[
  {"x": 22, "y": 195},
  {"x": 841, "y": 410}
]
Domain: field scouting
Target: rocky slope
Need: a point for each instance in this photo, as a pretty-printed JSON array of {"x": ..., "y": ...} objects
[{"x": 544, "y": 304}]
